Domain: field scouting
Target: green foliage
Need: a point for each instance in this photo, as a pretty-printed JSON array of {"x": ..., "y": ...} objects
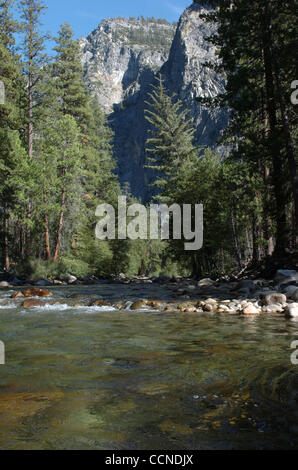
[{"x": 256, "y": 56}]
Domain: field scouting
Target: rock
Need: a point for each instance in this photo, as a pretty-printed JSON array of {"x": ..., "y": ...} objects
[
  {"x": 17, "y": 295},
  {"x": 206, "y": 283},
  {"x": 154, "y": 303},
  {"x": 289, "y": 291},
  {"x": 284, "y": 276},
  {"x": 100, "y": 303},
  {"x": 4, "y": 284},
  {"x": 33, "y": 303},
  {"x": 56, "y": 282},
  {"x": 125, "y": 55},
  {"x": 170, "y": 308},
  {"x": 119, "y": 306},
  {"x": 251, "y": 309},
  {"x": 273, "y": 298},
  {"x": 189, "y": 310},
  {"x": 209, "y": 307},
  {"x": 17, "y": 282},
  {"x": 223, "y": 308},
  {"x": 37, "y": 293},
  {"x": 43, "y": 283},
  {"x": 138, "y": 305},
  {"x": 211, "y": 301},
  {"x": 247, "y": 284},
  {"x": 292, "y": 310},
  {"x": 273, "y": 309},
  {"x": 294, "y": 296},
  {"x": 70, "y": 278}
]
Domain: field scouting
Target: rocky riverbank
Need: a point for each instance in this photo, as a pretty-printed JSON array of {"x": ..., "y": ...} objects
[{"x": 239, "y": 297}]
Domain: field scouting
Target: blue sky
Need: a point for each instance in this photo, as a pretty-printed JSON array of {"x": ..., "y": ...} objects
[{"x": 84, "y": 15}]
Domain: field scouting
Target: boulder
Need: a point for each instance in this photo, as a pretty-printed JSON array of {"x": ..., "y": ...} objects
[
  {"x": 43, "y": 283},
  {"x": 251, "y": 309},
  {"x": 154, "y": 303},
  {"x": 294, "y": 296},
  {"x": 189, "y": 310},
  {"x": 209, "y": 307},
  {"x": 138, "y": 305},
  {"x": 4, "y": 284},
  {"x": 273, "y": 298},
  {"x": 290, "y": 290},
  {"x": 70, "y": 279},
  {"x": 206, "y": 283},
  {"x": 292, "y": 310},
  {"x": 33, "y": 303},
  {"x": 17, "y": 295},
  {"x": 273, "y": 309},
  {"x": 247, "y": 284},
  {"x": 284, "y": 276},
  {"x": 37, "y": 293},
  {"x": 17, "y": 282}
]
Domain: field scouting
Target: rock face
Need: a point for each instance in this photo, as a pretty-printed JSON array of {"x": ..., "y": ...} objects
[{"x": 121, "y": 60}]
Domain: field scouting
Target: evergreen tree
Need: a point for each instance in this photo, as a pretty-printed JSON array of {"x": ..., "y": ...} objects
[
  {"x": 172, "y": 134},
  {"x": 11, "y": 152},
  {"x": 35, "y": 59},
  {"x": 255, "y": 41}
]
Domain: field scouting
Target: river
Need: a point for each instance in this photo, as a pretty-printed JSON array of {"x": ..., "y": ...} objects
[{"x": 101, "y": 378}]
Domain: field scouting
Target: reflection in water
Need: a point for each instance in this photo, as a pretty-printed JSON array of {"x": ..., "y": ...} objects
[{"x": 92, "y": 378}]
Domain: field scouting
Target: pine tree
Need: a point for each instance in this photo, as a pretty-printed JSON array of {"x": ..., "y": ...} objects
[
  {"x": 68, "y": 73},
  {"x": 11, "y": 151},
  {"x": 172, "y": 134},
  {"x": 255, "y": 41},
  {"x": 35, "y": 59}
]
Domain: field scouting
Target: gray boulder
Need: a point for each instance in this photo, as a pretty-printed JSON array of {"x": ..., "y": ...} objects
[{"x": 273, "y": 298}]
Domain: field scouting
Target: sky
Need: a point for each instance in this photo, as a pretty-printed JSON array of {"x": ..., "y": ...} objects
[{"x": 85, "y": 15}]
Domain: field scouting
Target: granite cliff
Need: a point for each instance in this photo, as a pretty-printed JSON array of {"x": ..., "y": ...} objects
[{"x": 121, "y": 59}]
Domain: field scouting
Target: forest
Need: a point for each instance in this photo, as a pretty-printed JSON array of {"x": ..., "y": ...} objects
[{"x": 57, "y": 161}]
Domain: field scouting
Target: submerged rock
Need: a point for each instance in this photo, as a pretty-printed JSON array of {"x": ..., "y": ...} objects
[
  {"x": 33, "y": 303},
  {"x": 37, "y": 293},
  {"x": 17, "y": 295},
  {"x": 100, "y": 303}
]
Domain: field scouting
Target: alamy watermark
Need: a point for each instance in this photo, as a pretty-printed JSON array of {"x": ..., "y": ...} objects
[
  {"x": 2, "y": 93},
  {"x": 138, "y": 222}
]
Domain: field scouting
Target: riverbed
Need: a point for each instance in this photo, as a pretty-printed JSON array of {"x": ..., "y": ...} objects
[{"x": 103, "y": 378}]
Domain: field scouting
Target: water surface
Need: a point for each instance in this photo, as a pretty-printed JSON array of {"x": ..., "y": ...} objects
[{"x": 92, "y": 378}]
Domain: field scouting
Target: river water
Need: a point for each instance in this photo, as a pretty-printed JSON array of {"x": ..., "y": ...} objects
[{"x": 98, "y": 378}]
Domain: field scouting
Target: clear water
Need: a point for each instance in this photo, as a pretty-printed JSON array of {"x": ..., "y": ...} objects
[{"x": 86, "y": 378}]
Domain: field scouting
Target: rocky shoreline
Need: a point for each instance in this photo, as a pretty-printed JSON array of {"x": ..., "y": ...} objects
[{"x": 238, "y": 297}]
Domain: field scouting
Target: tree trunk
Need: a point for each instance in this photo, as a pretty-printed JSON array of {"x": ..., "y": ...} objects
[
  {"x": 30, "y": 85},
  {"x": 236, "y": 236},
  {"x": 274, "y": 145},
  {"x": 60, "y": 228},
  {"x": 288, "y": 141},
  {"x": 46, "y": 228},
  {"x": 6, "y": 242}
]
